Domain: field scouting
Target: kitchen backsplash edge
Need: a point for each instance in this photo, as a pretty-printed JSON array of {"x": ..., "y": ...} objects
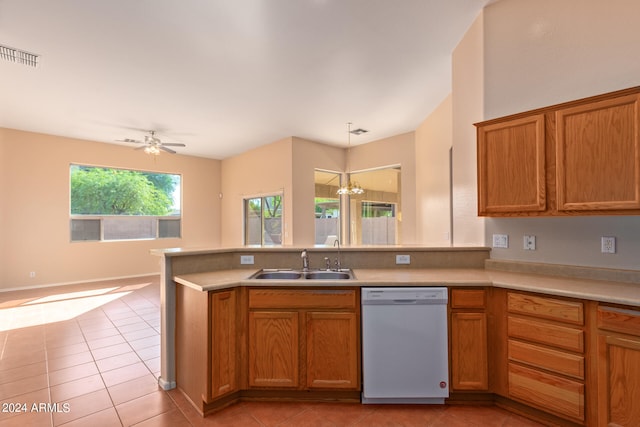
[{"x": 573, "y": 271}]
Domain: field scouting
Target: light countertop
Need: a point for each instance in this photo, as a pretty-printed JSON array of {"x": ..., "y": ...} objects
[{"x": 597, "y": 290}]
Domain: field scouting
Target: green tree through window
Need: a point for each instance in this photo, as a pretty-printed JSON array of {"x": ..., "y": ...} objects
[
  {"x": 263, "y": 220},
  {"x": 122, "y": 204},
  {"x": 100, "y": 191}
]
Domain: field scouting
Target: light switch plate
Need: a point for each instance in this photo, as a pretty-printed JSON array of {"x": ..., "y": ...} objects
[
  {"x": 501, "y": 241},
  {"x": 403, "y": 259},
  {"x": 246, "y": 259}
]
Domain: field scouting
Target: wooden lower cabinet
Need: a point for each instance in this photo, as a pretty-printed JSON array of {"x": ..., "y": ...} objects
[
  {"x": 540, "y": 355},
  {"x": 562, "y": 361},
  {"x": 304, "y": 339},
  {"x": 549, "y": 392},
  {"x": 207, "y": 358},
  {"x": 332, "y": 350},
  {"x": 267, "y": 343},
  {"x": 224, "y": 338},
  {"x": 273, "y": 349},
  {"x": 618, "y": 366},
  {"x": 468, "y": 340}
]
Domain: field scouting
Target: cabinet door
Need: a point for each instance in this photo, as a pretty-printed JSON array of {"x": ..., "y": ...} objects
[
  {"x": 469, "y": 369},
  {"x": 332, "y": 350},
  {"x": 511, "y": 166},
  {"x": 273, "y": 349},
  {"x": 618, "y": 380},
  {"x": 223, "y": 343},
  {"x": 598, "y": 155}
]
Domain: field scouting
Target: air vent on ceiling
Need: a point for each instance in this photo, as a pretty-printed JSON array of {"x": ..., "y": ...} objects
[
  {"x": 19, "y": 56},
  {"x": 359, "y": 131}
]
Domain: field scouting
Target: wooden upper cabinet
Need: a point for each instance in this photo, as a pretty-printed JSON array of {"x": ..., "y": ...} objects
[
  {"x": 577, "y": 158},
  {"x": 511, "y": 166},
  {"x": 598, "y": 155}
]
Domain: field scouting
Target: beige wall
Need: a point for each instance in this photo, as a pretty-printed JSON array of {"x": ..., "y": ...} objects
[
  {"x": 287, "y": 166},
  {"x": 307, "y": 157},
  {"x": 261, "y": 171},
  {"x": 543, "y": 52},
  {"x": 433, "y": 210},
  {"x": 284, "y": 166},
  {"x": 34, "y": 215},
  {"x": 467, "y": 104},
  {"x": 396, "y": 150}
]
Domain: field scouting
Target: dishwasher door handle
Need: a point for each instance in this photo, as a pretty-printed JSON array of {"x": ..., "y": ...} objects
[{"x": 405, "y": 301}]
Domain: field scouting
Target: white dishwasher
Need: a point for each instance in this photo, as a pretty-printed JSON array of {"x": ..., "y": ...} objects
[{"x": 404, "y": 345}]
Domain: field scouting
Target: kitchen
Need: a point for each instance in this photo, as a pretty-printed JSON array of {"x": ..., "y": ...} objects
[{"x": 492, "y": 76}]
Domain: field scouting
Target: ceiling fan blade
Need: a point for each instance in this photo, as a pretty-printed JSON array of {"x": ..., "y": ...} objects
[
  {"x": 173, "y": 144},
  {"x": 142, "y": 147},
  {"x": 168, "y": 150},
  {"x": 135, "y": 141}
]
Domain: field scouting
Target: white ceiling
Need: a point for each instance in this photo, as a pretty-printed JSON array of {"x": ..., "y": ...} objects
[{"x": 224, "y": 76}]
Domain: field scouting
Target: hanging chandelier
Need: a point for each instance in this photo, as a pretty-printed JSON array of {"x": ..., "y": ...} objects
[{"x": 351, "y": 187}]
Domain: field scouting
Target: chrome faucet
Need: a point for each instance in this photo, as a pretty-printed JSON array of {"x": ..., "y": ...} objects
[
  {"x": 305, "y": 260},
  {"x": 338, "y": 263}
]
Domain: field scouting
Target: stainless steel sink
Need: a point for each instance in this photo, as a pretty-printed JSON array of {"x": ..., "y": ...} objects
[
  {"x": 266, "y": 274},
  {"x": 282, "y": 275},
  {"x": 328, "y": 275}
]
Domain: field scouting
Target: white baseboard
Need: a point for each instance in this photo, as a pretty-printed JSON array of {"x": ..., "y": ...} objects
[{"x": 51, "y": 285}]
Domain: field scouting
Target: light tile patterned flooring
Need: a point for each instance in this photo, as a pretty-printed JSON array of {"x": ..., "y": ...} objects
[{"x": 89, "y": 355}]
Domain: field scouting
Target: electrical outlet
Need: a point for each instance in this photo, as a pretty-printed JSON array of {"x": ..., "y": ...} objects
[
  {"x": 608, "y": 245},
  {"x": 403, "y": 259},
  {"x": 501, "y": 241},
  {"x": 529, "y": 243},
  {"x": 246, "y": 259},
  {"x": 32, "y": 274}
]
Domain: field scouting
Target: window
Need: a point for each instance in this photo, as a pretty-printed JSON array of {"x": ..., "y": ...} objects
[
  {"x": 327, "y": 207},
  {"x": 263, "y": 220},
  {"x": 123, "y": 204}
]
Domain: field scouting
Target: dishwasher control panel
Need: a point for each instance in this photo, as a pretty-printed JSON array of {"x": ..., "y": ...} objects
[{"x": 404, "y": 295}]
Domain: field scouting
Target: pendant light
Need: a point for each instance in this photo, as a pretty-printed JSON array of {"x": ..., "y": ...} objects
[{"x": 351, "y": 187}]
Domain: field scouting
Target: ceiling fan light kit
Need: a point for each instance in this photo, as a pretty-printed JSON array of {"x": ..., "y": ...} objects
[
  {"x": 152, "y": 144},
  {"x": 150, "y": 149}
]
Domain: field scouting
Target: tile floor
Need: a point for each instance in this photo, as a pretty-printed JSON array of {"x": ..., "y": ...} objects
[{"x": 88, "y": 355}]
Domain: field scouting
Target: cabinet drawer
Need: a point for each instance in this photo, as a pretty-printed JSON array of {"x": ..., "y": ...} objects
[
  {"x": 303, "y": 298},
  {"x": 467, "y": 298},
  {"x": 548, "y": 392},
  {"x": 552, "y": 360},
  {"x": 619, "y": 320},
  {"x": 546, "y": 333},
  {"x": 546, "y": 308}
]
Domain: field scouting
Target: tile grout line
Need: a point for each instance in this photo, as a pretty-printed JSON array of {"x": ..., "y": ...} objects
[{"x": 99, "y": 372}]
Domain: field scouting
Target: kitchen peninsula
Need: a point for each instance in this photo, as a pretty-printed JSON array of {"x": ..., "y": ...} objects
[{"x": 206, "y": 303}]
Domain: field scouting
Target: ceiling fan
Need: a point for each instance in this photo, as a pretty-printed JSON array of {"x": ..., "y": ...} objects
[{"x": 152, "y": 144}]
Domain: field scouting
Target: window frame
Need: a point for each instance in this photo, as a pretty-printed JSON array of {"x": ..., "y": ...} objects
[
  {"x": 336, "y": 196},
  {"x": 154, "y": 220},
  {"x": 245, "y": 219}
]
